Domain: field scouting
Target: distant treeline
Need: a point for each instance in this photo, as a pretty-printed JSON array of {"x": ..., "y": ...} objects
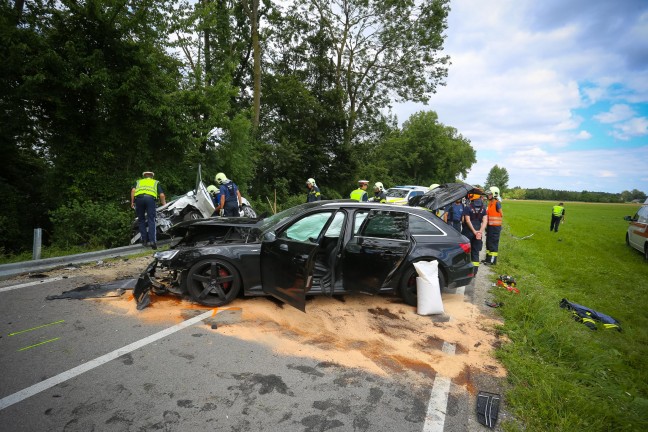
[{"x": 585, "y": 196}]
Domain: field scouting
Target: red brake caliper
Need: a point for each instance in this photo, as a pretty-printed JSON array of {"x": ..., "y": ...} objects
[{"x": 224, "y": 273}]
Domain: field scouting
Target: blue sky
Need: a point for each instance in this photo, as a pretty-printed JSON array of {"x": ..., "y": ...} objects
[{"x": 554, "y": 91}]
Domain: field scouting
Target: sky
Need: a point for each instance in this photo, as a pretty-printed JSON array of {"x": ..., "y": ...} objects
[{"x": 555, "y": 91}]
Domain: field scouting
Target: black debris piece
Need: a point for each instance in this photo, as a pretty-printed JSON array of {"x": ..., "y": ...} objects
[
  {"x": 110, "y": 289},
  {"x": 487, "y": 408}
]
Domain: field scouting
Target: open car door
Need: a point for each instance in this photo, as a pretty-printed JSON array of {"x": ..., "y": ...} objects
[
  {"x": 375, "y": 251},
  {"x": 288, "y": 256}
]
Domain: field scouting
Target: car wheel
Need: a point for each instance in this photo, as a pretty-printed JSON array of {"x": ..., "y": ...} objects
[
  {"x": 408, "y": 285},
  {"x": 249, "y": 212},
  {"x": 213, "y": 282},
  {"x": 192, "y": 215}
]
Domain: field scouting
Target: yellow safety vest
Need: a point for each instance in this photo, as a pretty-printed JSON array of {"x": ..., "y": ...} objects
[
  {"x": 357, "y": 194},
  {"x": 147, "y": 186},
  {"x": 558, "y": 210}
]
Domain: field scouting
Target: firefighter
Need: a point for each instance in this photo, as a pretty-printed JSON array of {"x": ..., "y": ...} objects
[
  {"x": 230, "y": 197},
  {"x": 144, "y": 194},
  {"x": 475, "y": 221},
  {"x": 214, "y": 192},
  {"x": 360, "y": 194},
  {"x": 494, "y": 227},
  {"x": 313, "y": 191},
  {"x": 379, "y": 193}
]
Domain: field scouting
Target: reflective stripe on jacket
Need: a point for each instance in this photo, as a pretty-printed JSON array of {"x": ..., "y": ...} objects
[
  {"x": 494, "y": 216},
  {"x": 146, "y": 186}
]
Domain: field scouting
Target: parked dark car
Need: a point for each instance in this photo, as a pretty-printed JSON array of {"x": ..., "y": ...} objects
[{"x": 323, "y": 247}]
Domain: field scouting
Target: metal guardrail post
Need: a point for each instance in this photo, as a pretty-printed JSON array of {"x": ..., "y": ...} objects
[{"x": 38, "y": 241}]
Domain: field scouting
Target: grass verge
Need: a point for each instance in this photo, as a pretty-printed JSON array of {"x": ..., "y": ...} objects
[{"x": 564, "y": 376}]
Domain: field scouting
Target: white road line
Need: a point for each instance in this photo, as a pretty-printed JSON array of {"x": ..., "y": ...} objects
[
  {"x": 62, "y": 377},
  {"x": 38, "y": 282},
  {"x": 438, "y": 405}
]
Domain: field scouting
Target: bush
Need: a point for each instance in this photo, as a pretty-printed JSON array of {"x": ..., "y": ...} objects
[{"x": 90, "y": 224}]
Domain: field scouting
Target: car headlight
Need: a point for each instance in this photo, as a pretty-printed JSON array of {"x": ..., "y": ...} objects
[{"x": 166, "y": 255}]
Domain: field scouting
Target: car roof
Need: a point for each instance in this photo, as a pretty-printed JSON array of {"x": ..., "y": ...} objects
[{"x": 410, "y": 187}]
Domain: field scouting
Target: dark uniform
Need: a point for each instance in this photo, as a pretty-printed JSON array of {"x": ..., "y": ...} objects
[
  {"x": 475, "y": 211},
  {"x": 313, "y": 194},
  {"x": 147, "y": 191},
  {"x": 229, "y": 191},
  {"x": 557, "y": 215},
  {"x": 455, "y": 215}
]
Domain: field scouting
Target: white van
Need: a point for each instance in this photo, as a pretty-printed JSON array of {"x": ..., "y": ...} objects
[{"x": 637, "y": 236}]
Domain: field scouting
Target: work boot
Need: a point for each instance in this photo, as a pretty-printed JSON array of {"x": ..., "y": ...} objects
[
  {"x": 487, "y": 259},
  {"x": 153, "y": 245}
]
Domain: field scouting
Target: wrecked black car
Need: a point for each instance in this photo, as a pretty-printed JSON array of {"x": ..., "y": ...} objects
[{"x": 323, "y": 247}]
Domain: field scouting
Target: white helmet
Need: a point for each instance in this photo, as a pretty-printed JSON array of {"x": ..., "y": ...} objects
[
  {"x": 311, "y": 181},
  {"x": 220, "y": 178},
  {"x": 495, "y": 191},
  {"x": 378, "y": 186},
  {"x": 434, "y": 186},
  {"x": 213, "y": 190}
]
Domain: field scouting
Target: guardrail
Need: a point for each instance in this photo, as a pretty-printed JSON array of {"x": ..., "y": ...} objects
[{"x": 42, "y": 265}]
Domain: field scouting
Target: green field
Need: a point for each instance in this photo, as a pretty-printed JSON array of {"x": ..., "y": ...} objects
[{"x": 564, "y": 376}]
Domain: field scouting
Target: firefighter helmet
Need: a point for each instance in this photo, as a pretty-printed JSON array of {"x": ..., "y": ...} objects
[
  {"x": 495, "y": 191},
  {"x": 434, "y": 186},
  {"x": 378, "y": 185},
  {"x": 220, "y": 178},
  {"x": 311, "y": 181},
  {"x": 213, "y": 190},
  {"x": 474, "y": 196}
]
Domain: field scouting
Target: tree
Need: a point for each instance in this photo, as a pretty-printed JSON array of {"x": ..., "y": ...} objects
[
  {"x": 380, "y": 51},
  {"x": 426, "y": 151},
  {"x": 498, "y": 177}
]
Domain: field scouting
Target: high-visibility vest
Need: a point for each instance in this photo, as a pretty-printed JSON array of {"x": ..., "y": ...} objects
[
  {"x": 558, "y": 210},
  {"x": 357, "y": 194},
  {"x": 494, "y": 216},
  {"x": 147, "y": 186}
]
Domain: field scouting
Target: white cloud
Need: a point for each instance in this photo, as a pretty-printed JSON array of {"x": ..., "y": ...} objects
[
  {"x": 635, "y": 127},
  {"x": 617, "y": 113}
]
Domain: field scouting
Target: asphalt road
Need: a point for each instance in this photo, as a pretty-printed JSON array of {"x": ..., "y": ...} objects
[{"x": 68, "y": 366}]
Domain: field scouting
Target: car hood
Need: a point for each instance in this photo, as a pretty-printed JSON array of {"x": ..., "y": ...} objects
[
  {"x": 214, "y": 223},
  {"x": 443, "y": 195}
]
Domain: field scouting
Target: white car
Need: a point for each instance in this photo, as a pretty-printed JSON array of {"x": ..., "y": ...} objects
[
  {"x": 637, "y": 236},
  {"x": 401, "y": 194}
]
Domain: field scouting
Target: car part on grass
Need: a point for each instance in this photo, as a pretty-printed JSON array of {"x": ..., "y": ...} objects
[{"x": 487, "y": 408}]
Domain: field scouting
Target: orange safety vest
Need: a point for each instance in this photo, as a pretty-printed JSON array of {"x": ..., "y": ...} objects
[{"x": 494, "y": 216}]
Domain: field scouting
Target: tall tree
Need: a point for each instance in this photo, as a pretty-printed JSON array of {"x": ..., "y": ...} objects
[
  {"x": 498, "y": 177},
  {"x": 426, "y": 151},
  {"x": 380, "y": 51}
]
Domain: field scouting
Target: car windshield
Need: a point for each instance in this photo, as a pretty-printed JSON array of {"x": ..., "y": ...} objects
[
  {"x": 397, "y": 193},
  {"x": 277, "y": 218}
]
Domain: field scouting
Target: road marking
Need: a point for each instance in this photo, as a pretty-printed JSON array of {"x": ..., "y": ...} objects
[
  {"x": 62, "y": 377},
  {"x": 438, "y": 405},
  {"x": 54, "y": 279},
  {"x": 35, "y": 328},
  {"x": 38, "y": 344}
]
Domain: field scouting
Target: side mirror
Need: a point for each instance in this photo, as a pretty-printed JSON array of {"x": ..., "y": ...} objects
[
  {"x": 627, "y": 218},
  {"x": 269, "y": 237}
]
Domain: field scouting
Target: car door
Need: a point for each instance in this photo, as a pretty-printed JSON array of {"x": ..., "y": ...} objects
[
  {"x": 287, "y": 258},
  {"x": 375, "y": 251}
]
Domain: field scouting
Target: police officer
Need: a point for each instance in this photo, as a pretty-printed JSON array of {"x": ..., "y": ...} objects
[
  {"x": 360, "y": 194},
  {"x": 494, "y": 228},
  {"x": 313, "y": 191},
  {"x": 379, "y": 193},
  {"x": 230, "y": 197},
  {"x": 475, "y": 221},
  {"x": 557, "y": 216},
  {"x": 144, "y": 194}
]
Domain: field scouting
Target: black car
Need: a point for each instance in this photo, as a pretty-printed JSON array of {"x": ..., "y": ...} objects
[{"x": 323, "y": 247}]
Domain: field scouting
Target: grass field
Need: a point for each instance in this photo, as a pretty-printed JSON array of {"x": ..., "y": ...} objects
[{"x": 564, "y": 376}]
